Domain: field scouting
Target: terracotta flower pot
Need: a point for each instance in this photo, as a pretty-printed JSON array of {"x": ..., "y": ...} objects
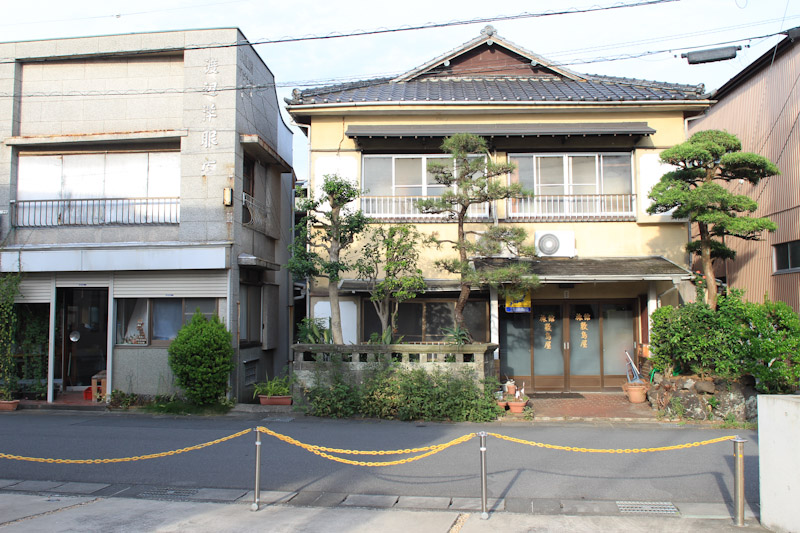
[
  {"x": 636, "y": 392},
  {"x": 511, "y": 389},
  {"x": 517, "y": 406},
  {"x": 274, "y": 400},
  {"x": 502, "y": 403},
  {"x": 9, "y": 405}
]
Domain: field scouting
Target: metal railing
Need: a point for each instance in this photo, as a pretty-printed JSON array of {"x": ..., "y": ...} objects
[
  {"x": 95, "y": 212},
  {"x": 574, "y": 207},
  {"x": 405, "y": 207},
  {"x": 260, "y": 217}
]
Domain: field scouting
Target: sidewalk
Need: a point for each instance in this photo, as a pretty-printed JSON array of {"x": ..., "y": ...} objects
[{"x": 42, "y": 512}]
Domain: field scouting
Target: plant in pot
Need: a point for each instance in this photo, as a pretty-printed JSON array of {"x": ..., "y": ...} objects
[
  {"x": 275, "y": 391},
  {"x": 517, "y": 403}
]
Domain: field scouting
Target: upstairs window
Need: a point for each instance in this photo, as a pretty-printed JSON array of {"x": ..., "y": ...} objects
[
  {"x": 401, "y": 175},
  {"x": 99, "y": 175},
  {"x": 787, "y": 256},
  {"x": 573, "y": 174}
]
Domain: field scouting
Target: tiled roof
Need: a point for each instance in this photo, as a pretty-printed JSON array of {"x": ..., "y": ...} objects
[
  {"x": 478, "y": 89},
  {"x": 582, "y": 270}
]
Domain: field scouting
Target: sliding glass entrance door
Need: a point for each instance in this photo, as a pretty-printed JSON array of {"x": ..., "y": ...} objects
[{"x": 567, "y": 346}]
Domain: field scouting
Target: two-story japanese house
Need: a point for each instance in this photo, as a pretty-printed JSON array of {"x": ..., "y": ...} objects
[{"x": 586, "y": 146}]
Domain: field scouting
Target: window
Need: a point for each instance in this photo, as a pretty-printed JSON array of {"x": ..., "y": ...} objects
[
  {"x": 573, "y": 174},
  {"x": 579, "y": 186},
  {"x": 102, "y": 175},
  {"x": 401, "y": 175},
  {"x": 787, "y": 256},
  {"x": 156, "y": 321},
  {"x": 249, "y": 314},
  {"x": 425, "y": 321},
  {"x": 98, "y": 188}
]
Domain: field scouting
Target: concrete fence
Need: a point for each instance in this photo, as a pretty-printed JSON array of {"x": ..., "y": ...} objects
[{"x": 357, "y": 360}]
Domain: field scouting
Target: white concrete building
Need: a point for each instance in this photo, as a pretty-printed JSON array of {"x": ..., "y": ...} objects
[{"x": 142, "y": 177}]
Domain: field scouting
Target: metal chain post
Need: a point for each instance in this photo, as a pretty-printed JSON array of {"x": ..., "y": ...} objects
[
  {"x": 484, "y": 510},
  {"x": 257, "y": 492},
  {"x": 738, "y": 480}
]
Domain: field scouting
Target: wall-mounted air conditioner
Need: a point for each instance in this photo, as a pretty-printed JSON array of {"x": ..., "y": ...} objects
[{"x": 555, "y": 243}]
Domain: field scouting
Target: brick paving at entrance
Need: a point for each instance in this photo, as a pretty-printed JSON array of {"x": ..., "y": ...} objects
[{"x": 589, "y": 405}]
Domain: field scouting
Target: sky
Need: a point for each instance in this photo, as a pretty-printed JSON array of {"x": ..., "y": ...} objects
[{"x": 643, "y": 42}]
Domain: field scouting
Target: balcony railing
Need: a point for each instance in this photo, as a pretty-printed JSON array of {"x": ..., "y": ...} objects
[
  {"x": 575, "y": 207},
  {"x": 95, "y": 212},
  {"x": 405, "y": 208},
  {"x": 260, "y": 217}
]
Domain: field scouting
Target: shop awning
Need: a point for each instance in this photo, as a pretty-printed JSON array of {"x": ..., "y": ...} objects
[
  {"x": 431, "y": 285},
  {"x": 599, "y": 269},
  {"x": 557, "y": 129}
]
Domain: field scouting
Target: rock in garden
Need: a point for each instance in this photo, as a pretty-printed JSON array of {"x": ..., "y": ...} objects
[{"x": 705, "y": 387}]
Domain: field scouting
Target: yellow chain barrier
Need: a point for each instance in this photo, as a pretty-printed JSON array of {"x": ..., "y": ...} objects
[
  {"x": 124, "y": 459},
  {"x": 320, "y": 450},
  {"x": 612, "y": 450},
  {"x": 325, "y": 452}
]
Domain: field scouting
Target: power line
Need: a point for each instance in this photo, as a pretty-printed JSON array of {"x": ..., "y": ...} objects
[{"x": 426, "y": 26}]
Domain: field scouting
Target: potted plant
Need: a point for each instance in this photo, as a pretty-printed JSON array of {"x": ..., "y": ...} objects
[
  {"x": 275, "y": 391},
  {"x": 509, "y": 386},
  {"x": 516, "y": 404},
  {"x": 636, "y": 391}
]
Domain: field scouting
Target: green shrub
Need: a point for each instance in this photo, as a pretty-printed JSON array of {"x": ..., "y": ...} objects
[
  {"x": 201, "y": 359},
  {"x": 739, "y": 338},
  {"x": 414, "y": 394},
  {"x": 773, "y": 345},
  {"x": 337, "y": 400}
]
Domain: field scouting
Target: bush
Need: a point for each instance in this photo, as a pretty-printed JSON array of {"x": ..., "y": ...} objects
[
  {"x": 201, "y": 359},
  {"x": 414, "y": 394},
  {"x": 337, "y": 400},
  {"x": 739, "y": 338}
]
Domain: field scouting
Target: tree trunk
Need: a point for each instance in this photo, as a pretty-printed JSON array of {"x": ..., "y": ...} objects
[
  {"x": 463, "y": 296},
  {"x": 333, "y": 285},
  {"x": 707, "y": 266}
]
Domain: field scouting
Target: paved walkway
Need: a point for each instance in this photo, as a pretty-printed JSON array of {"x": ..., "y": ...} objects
[
  {"x": 64, "y": 508},
  {"x": 589, "y": 405}
]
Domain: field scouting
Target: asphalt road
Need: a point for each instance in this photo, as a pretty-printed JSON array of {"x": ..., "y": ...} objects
[{"x": 699, "y": 474}]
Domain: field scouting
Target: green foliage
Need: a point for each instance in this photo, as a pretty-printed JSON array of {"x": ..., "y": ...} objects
[
  {"x": 9, "y": 287},
  {"x": 314, "y": 331},
  {"x": 337, "y": 400},
  {"x": 174, "y": 405},
  {"x": 739, "y": 338},
  {"x": 414, "y": 394},
  {"x": 322, "y": 237},
  {"x": 471, "y": 180},
  {"x": 456, "y": 335},
  {"x": 201, "y": 359},
  {"x": 277, "y": 386},
  {"x": 676, "y": 407},
  {"x": 690, "y": 192},
  {"x": 391, "y": 252},
  {"x": 124, "y": 400}
]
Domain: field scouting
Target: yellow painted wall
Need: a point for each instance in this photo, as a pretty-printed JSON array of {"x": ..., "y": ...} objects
[{"x": 332, "y": 151}]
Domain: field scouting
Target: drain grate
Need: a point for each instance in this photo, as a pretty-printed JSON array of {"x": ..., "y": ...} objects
[
  {"x": 167, "y": 492},
  {"x": 656, "y": 508}
]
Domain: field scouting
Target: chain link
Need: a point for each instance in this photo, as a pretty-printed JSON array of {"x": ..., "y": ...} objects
[
  {"x": 320, "y": 450},
  {"x": 123, "y": 459},
  {"x": 612, "y": 450},
  {"x": 325, "y": 452}
]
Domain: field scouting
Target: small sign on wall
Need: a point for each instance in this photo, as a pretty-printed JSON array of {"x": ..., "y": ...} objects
[{"x": 523, "y": 305}]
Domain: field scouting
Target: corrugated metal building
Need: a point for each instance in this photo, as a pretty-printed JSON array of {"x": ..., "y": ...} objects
[{"x": 761, "y": 106}]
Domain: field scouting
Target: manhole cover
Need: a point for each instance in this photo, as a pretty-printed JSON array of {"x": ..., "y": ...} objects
[
  {"x": 657, "y": 508},
  {"x": 168, "y": 493}
]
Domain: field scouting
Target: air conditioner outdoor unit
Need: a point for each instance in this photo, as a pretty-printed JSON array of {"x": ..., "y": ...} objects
[{"x": 555, "y": 243}]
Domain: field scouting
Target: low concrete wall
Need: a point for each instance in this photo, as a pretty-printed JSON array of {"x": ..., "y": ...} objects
[
  {"x": 143, "y": 371},
  {"x": 359, "y": 360},
  {"x": 779, "y": 461}
]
